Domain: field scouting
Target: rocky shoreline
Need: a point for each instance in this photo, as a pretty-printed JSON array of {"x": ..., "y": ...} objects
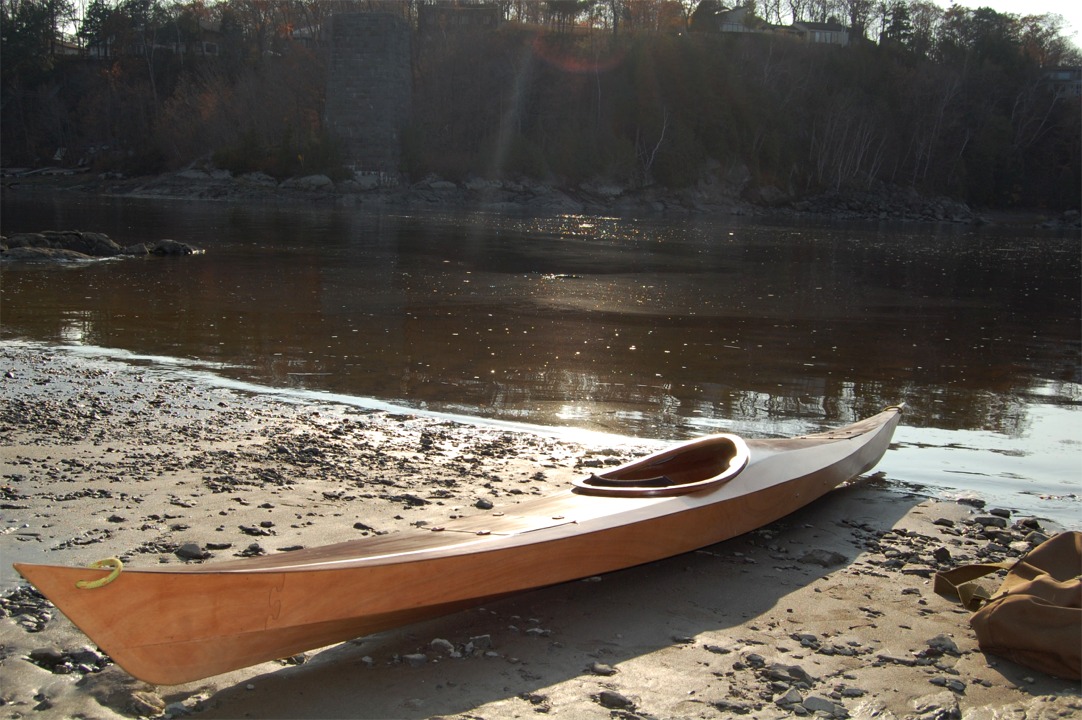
[
  {"x": 79, "y": 245},
  {"x": 718, "y": 193},
  {"x": 826, "y": 613}
]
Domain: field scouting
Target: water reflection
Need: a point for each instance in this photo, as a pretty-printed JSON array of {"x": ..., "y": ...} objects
[{"x": 643, "y": 327}]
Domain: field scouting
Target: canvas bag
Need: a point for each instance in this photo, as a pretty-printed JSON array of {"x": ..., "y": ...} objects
[{"x": 1035, "y": 618}]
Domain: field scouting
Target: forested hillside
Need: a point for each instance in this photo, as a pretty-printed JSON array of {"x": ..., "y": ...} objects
[{"x": 955, "y": 102}]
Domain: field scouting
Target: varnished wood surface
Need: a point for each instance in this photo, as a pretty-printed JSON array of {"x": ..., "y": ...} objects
[{"x": 173, "y": 625}]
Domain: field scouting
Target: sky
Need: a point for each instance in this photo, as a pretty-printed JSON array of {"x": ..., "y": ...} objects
[{"x": 1071, "y": 10}]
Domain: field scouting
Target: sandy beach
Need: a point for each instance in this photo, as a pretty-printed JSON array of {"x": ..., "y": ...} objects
[{"x": 828, "y": 612}]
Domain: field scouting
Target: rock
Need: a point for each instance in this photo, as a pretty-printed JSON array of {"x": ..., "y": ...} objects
[
  {"x": 253, "y": 550},
  {"x": 990, "y": 521},
  {"x": 442, "y": 646},
  {"x": 479, "y": 644},
  {"x": 755, "y": 660},
  {"x": 484, "y": 504},
  {"x": 951, "y": 684},
  {"x": 47, "y": 657},
  {"x": 1000, "y": 512},
  {"x": 971, "y": 502},
  {"x": 940, "y": 706},
  {"x": 732, "y": 707},
  {"x": 93, "y": 244},
  {"x": 1030, "y": 523},
  {"x": 30, "y": 254},
  {"x": 792, "y": 696},
  {"x": 943, "y": 645},
  {"x": 1035, "y": 538},
  {"x": 788, "y": 674},
  {"x": 191, "y": 551},
  {"x": 1020, "y": 547},
  {"x": 825, "y": 558},
  {"x": 598, "y": 668},
  {"x": 942, "y": 555},
  {"x": 88, "y": 656},
  {"x": 415, "y": 659},
  {"x": 817, "y": 704},
  {"x": 614, "y": 700},
  {"x": 172, "y": 247},
  {"x": 538, "y": 700},
  {"x": 146, "y": 704}
]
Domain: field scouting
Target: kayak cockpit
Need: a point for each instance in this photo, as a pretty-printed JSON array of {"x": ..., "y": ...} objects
[{"x": 691, "y": 467}]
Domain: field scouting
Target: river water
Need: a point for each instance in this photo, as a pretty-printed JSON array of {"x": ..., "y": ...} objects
[{"x": 656, "y": 329}]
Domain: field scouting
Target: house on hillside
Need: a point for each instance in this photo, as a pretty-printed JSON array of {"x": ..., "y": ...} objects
[
  {"x": 203, "y": 39},
  {"x": 1066, "y": 82},
  {"x": 716, "y": 18},
  {"x": 830, "y": 33}
]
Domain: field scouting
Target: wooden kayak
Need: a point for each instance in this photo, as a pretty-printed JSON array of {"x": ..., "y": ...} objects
[{"x": 174, "y": 624}]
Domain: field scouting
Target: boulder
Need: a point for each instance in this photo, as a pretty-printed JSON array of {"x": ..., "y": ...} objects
[
  {"x": 38, "y": 254},
  {"x": 172, "y": 247}
]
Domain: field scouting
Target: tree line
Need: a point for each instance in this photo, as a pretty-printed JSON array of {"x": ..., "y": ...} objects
[{"x": 635, "y": 92}]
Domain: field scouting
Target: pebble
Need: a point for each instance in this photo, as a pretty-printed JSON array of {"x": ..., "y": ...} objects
[
  {"x": 415, "y": 659},
  {"x": 614, "y": 700},
  {"x": 442, "y": 646},
  {"x": 717, "y": 649},
  {"x": 952, "y": 684},
  {"x": 755, "y": 660},
  {"x": 733, "y": 707},
  {"x": 598, "y": 668}
]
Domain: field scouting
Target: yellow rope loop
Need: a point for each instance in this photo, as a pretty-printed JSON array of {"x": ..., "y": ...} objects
[{"x": 102, "y": 564}]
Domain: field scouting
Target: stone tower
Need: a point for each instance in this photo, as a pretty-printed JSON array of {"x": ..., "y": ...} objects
[{"x": 369, "y": 88}]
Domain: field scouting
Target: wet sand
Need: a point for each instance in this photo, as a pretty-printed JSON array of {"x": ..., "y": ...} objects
[{"x": 827, "y": 612}]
